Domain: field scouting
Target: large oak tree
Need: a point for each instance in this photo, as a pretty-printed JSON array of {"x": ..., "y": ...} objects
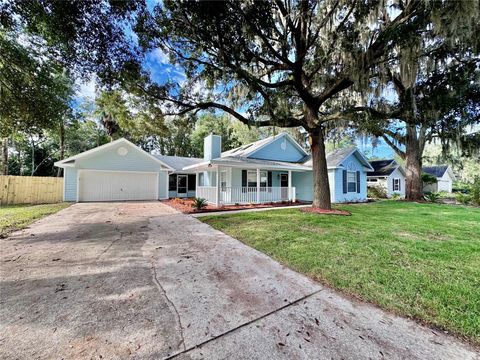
[
  {"x": 430, "y": 91},
  {"x": 274, "y": 63}
]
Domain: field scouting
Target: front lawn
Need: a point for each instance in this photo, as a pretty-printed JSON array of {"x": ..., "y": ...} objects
[
  {"x": 15, "y": 217},
  {"x": 418, "y": 260}
]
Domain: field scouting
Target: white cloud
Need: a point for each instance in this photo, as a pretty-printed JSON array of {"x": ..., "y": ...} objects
[
  {"x": 86, "y": 90},
  {"x": 160, "y": 56}
]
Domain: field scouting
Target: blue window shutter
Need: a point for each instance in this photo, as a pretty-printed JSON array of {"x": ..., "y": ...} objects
[
  {"x": 345, "y": 189},
  {"x": 269, "y": 179},
  {"x": 192, "y": 179},
  {"x": 393, "y": 184},
  {"x": 244, "y": 178},
  {"x": 358, "y": 181},
  {"x": 399, "y": 184}
]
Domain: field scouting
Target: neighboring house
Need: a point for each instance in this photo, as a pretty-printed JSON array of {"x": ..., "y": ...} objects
[
  {"x": 270, "y": 170},
  {"x": 388, "y": 175},
  {"x": 444, "y": 175}
]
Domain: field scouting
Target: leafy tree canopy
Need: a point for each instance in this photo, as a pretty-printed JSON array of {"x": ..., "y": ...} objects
[
  {"x": 86, "y": 36},
  {"x": 274, "y": 63}
]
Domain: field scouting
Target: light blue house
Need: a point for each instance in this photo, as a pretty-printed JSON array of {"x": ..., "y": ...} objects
[{"x": 274, "y": 169}]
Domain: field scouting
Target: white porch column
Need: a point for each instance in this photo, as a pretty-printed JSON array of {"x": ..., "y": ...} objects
[
  {"x": 217, "y": 198},
  {"x": 289, "y": 185},
  {"x": 258, "y": 185}
]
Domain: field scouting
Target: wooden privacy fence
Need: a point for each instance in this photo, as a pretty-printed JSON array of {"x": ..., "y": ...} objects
[{"x": 30, "y": 190}]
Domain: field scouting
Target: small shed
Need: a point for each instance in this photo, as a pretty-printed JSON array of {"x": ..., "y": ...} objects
[
  {"x": 388, "y": 175},
  {"x": 444, "y": 175}
]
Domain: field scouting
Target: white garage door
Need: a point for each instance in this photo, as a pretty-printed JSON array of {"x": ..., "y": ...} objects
[{"x": 114, "y": 185}]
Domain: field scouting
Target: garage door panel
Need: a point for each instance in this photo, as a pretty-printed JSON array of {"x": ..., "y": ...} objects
[{"x": 115, "y": 186}]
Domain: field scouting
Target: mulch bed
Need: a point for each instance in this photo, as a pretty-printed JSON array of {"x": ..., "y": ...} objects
[
  {"x": 325, "y": 212},
  {"x": 185, "y": 206}
]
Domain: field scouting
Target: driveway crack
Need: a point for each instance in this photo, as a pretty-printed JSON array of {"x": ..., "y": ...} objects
[
  {"x": 164, "y": 293},
  {"x": 109, "y": 246},
  {"x": 196, "y": 346}
]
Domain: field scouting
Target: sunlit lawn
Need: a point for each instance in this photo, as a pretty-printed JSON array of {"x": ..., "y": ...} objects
[
  {"x": 419, "y": 260},
  {"x": 15, "y": 217}
]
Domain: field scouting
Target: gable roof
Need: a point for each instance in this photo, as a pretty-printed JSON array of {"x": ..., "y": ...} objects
[
  {"x": 336, "y": 157},
  {"x": 69, "y": 161},
  {"x": 178, "y": 162},
  {"x": 383, "y": 167},
  {"x": 437, "y": 171},
  {"x": 249, "y": 149}
]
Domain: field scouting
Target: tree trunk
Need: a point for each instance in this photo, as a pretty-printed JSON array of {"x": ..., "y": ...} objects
[
  {"x": 20, "y": 161},
  {"x": 4, "y": 169},
  {"x": 321, "y": 188},
  {"x": 62, "y": 146},
  {"x": 33, "y": 158},
  {"x": 413, "y": 167}
]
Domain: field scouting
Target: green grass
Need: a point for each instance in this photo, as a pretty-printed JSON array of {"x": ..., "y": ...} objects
[
  {"x": 16, "y": 217},
  {"x": 418, "y": 260}
]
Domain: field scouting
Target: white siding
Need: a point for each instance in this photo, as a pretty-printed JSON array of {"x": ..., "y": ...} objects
[
  {"x": 445, "y": 183},
  {"x": 163, "y": 185},
  {"x": 397, "y": 174},
  {"x": 70, "y": 184}
]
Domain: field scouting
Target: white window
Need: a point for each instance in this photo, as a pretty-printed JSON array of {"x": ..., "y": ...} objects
[
  {"x": 263, "y": 178},
  {"x": 352, "y": 181},
  {"x": 223, "y": 179},
  {"x": 396, "y": 184},
  {"x": 201, "y": 179},
  {"x": 252, "y": 178}
]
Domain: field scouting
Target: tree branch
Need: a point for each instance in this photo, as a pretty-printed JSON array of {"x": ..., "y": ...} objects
[{"x": 394, "y": 146}]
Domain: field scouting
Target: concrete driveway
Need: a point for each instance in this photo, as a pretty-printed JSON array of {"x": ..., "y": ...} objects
[{"x": 141, "y": 281}]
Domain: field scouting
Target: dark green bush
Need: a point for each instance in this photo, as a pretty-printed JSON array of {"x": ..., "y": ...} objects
[
  {"x": 432, "y": 197},
  {"x": 464, "y": 199},
  {"x": 428, "y": 179},
  {"x": 475, "y": 191}
]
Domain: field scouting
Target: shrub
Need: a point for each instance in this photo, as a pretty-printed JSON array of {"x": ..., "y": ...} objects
[
  {"x": 376, "y": 192},
  {"x": 444, "y": 194},
  {"x": 199, "y": 203},
  {"x": 396, "y": 196},
  {"x": 432, "y": 197},
  {"x": 463, "y": 198},
  {"x": 428, "y": 179},
  {"x": 475, "y": 191},
  {"x": 459, "y": 187}
]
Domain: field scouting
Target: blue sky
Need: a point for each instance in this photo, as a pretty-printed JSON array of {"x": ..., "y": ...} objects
[{"x": 382, "y": 150}]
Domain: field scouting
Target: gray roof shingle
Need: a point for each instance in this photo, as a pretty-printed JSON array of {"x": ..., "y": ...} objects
[
  {"x": 382, "y": 167},
  {"x": 335, "y": 157},
  {"x": 178, "y": 162},
  {"x": 436, "y": 171}
]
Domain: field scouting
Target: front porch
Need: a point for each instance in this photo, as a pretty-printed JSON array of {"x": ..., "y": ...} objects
[
  {"x": 245, "y": 186},
  {"x": 245, "y": 195}
]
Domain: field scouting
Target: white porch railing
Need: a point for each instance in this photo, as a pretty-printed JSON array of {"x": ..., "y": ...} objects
[
  {"x": 246, "y": 195},
  {"x": 207, "y": 192}
]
